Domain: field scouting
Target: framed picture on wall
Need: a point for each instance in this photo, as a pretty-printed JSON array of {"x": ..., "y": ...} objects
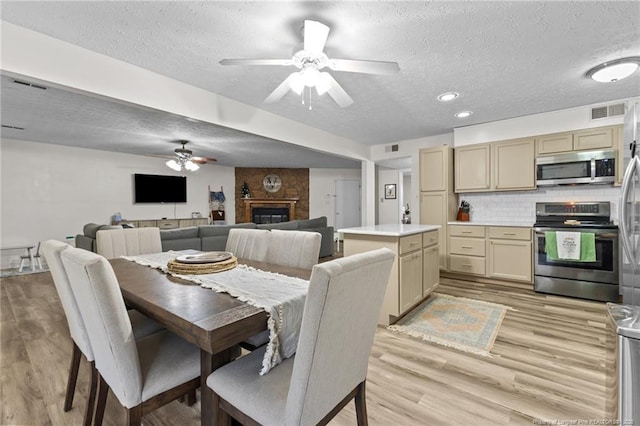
[{"x": 390, "y": 191}]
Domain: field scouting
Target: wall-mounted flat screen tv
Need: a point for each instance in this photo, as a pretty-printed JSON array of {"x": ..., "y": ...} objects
[{"x": 159, "y": 189}]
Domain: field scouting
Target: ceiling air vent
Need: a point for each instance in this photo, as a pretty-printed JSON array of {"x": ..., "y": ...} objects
[
  {"x": 5, "y": 126},
  {"x": 391, "y": 148},
  {"x": 607, "y": 111},
  {"x": 26, "y": 83}
]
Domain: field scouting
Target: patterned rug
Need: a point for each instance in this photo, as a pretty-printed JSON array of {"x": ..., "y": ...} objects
[{"x": 456, "y": 322}]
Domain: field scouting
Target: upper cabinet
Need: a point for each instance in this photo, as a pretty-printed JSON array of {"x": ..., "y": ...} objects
[
  {"x": 581, "y": 140},
  {"x": 436, "y": 171},
  {"x": 472, "y": 168},
  {"x": 500, "y": 166}
]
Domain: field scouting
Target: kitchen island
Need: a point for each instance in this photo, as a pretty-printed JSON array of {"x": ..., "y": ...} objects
[{"x": 415, "y": 272}]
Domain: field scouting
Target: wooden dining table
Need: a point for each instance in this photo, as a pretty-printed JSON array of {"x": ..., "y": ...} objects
[{"x": 215, "y": 322}]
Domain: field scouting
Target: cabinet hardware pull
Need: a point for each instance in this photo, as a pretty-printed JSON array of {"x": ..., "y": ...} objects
[
  {"x": 467, "y": 247},
  {"x": 466, "y": 232},
  {"x": 509, "y": 233},
  {"x": 413, "y": 244},
  {"x": 467, "y": 266}
]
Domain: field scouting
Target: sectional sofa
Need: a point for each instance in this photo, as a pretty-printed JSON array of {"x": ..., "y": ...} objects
[{"x": 214, "y": 237}]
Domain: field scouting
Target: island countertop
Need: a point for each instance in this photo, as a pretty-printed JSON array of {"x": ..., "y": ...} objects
[{"x": 390, "y": 230}]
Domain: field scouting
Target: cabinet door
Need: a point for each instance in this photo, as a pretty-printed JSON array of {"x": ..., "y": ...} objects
[
  {"x": 434, "y": 210},
  {"x": 410, "y": 280},
  {"x": 430, "y": 270},
  {"x": 147, "y": 223},
  {"x": 557, "y": 142},
  {"x": 510, "y": 260},
  {"x": 593, "y": 138},
  {"x": 621, "y": 151},
  {"x": 472, "y": 168},
  {"x": 514, "y": 164},
  {"x": 436, "y": 166}
]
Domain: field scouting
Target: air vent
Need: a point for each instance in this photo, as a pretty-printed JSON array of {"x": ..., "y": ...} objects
[
  {"x": 391, "y": 148},
  {"x": 26, "y": 83},
  {"x": 607, "y": 111},
  {"x": 5, "y": 126}
]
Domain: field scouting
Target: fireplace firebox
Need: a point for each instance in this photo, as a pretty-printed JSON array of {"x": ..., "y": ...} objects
[{"x": 269, "y": 214}]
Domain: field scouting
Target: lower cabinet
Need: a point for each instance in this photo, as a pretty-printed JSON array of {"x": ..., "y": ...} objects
[
  {"x": 430, "y": 269},
  {"x": 410, "y": 279},
  {"x": 164, "y": 223},
  {"x": 501, "y": 252}
]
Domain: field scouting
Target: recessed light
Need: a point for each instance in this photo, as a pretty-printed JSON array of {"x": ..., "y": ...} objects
[
  {"x": 449, "y": 96},
  {"x": 464, "y": 114},
  {"x": 612, "y": 71}
]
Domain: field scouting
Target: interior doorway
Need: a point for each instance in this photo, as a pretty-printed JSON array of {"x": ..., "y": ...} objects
[{"x": 347, "y": 214}]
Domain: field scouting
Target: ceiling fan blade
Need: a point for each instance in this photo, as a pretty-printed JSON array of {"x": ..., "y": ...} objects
[
  {"x": 284, "y": 62},
  {"x": 203, "y": 160},
  {"x": 336, "y": 91},
  {"x": 281, "y": 90},
  {"x": 366, "y": 67},
  {"x": 315, "y": 36}
]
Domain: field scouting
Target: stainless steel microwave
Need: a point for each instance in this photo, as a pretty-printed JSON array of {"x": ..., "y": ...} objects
[{"x": 576, "y": 167}]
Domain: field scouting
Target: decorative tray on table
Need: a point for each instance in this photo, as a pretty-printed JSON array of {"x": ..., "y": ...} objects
[{"x": 204, "y": 263}]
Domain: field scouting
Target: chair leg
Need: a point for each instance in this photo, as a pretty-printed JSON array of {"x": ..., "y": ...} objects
[
  {"x": 191, "y": 397},
  {"x": 21, "y": 267},
  {"x": 103, "y": 391},
  {"x": 361, "y": 405},
  {"x": 91, "y": 400},
  {"x": 73, "y": 377},
  {"x": 134, "y": 415}
]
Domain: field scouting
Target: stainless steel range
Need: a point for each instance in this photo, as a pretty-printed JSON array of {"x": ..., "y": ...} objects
[{"x": 588, "y": 278}]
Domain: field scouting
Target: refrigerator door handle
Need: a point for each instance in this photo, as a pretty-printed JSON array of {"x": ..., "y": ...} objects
[{"x": 632, "y": 168}]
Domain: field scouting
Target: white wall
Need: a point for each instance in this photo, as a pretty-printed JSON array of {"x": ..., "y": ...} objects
[
  {"x": 322, "y": 191},
  {"x": 52, "y": 191},
  {"x": 389, "y": 209}
]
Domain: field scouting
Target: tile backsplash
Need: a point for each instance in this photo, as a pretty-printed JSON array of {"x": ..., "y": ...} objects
[{"x": 520, "y": 206}]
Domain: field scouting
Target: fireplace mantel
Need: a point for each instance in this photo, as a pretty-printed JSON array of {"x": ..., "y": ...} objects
[{"x": 249, "y": 203}]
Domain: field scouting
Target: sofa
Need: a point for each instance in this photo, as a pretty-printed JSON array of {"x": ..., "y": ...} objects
[{"x": 214, "y": 237}]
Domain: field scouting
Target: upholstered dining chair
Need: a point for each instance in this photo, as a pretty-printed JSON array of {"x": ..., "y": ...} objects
[
  {"x": 143, "y": 374},
  {"x": 330, "y": 365},
  {"x": 142, "y": 326},
  {"x": 248, "y": 243},
  {"x": 299, "y": 249},
  {"x": 113, "y": 243}
]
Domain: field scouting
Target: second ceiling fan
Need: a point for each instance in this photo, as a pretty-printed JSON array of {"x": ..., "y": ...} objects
[{"x": 310, "y": 61}]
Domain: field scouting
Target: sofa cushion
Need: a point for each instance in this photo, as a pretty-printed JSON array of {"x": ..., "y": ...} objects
[
  {"x": 221, "y": 230},
  {"x": 179, "y": 233},
  {"x": 318, "y": 222},
  {"x": 90, "y": 229},
  {"x": 292, "y": 225}
]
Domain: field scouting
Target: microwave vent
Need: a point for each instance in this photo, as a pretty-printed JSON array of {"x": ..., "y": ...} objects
[{"x": 607, "y": 111}]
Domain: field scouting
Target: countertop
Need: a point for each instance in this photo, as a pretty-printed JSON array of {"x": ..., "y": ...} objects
[
  {"x": 513, "y": 224},
  {"x": 390, "y": 230}
]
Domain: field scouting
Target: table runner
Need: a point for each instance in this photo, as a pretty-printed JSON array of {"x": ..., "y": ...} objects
[{"x": 281, "y": 296}]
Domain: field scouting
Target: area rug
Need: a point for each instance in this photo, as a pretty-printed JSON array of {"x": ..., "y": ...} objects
[{"x": 456, "y": 322}]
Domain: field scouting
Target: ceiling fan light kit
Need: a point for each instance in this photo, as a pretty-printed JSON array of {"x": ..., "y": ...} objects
[
  {"x": 184, "y": 159},
  {"x": 612, "y": 71},
  {"x": 310, "y": 60}
]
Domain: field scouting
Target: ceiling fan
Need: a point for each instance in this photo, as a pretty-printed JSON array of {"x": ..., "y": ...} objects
[
  {"x": 184, "y": 159},
  {"x": 310, "y": 60}
]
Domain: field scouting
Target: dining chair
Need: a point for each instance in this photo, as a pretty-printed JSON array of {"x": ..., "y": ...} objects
[
  {"x": 142, "y": 326},
  {"x": 113, "y": 243},
  {"x": 36, "y": 259},
  {"x": 248, "y": 243},
  {"x": 143, "y": 374},
  {"x": 330, "y": 365},
  {"x": 298, "y": 249}
]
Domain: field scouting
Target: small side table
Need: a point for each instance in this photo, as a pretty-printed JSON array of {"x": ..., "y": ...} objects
[{"x": 29, "y": 249}]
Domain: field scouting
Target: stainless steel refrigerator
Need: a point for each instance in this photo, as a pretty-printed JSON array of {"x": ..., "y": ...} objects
[{"x": 626, "y": 317}]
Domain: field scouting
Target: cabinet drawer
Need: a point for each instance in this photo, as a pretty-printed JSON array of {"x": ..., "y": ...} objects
[
  {"x": 510, "y": 233},
  {"x": 467, "y": 264},
  {"x": 410, "y": 243},
  {"x": 147, "y": 223},
  {"x": 470, "y": 246},
  {"x": 168, "y": 223},
  {"x": 430, "y": 238},
  {"x": 466, "y": 231}
]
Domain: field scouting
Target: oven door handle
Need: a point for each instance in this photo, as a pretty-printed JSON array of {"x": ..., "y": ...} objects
[{"x": 632, "y": 168}]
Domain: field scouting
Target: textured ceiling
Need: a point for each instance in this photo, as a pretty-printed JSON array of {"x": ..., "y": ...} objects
[{"x": 507, "y": 59}]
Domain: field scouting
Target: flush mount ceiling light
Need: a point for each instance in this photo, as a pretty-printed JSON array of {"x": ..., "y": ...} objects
[
  {"x": 612, "y": 71},
  {"x": 449, "y": 96},
  {"x": 464, "y": 114}
]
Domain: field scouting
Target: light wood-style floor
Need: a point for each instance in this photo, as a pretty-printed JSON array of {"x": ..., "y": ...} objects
[{"x": 553, "y": 360}]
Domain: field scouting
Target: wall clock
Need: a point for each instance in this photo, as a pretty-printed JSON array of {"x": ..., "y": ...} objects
[{"x": 272, "y": 183}]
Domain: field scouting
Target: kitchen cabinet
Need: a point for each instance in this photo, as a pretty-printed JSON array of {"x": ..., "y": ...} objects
[
  {"x": 510, "y": 253},
  {"x": 472, "y": 168},
  {"x": 514, "y": 164},
  {"x": 621, "y": 150},
  {"x": 502, "y": 252},
  {"x": 438, "y": 202},
  {"x": 578, "y": 140},
  {"x": 412, "y": 278}
]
